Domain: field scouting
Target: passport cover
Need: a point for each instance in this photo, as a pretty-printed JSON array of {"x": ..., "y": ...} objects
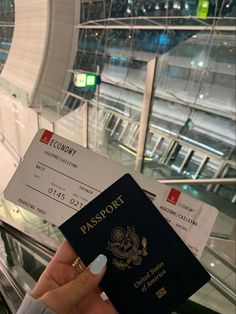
[{"x": 149, "y": 268}]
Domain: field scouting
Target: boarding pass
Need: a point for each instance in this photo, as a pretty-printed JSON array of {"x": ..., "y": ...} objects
[{"x": 58, "y": 177}]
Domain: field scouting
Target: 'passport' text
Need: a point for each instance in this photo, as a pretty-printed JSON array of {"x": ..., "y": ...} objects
[{"x": 102, "y": 214}]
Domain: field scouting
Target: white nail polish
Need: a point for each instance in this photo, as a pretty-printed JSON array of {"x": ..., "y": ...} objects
[{"x": 98, "y": 264}]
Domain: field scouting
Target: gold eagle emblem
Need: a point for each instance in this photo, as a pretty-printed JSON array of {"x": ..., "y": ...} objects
[{"x": 125, "y": 246}]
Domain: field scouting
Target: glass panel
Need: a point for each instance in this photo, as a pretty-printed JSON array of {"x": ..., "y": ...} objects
[
  {"x": 153, "y": 165},
  {"x": 193, "y": 165},
  {"x": 7, "y": 8},
  {"x": 231, "y": 173},
  {"x": 178, "y": 157},
  {"x": 25, "y": 265},
  {"x": 71, "y": 125},
  {"x": 228, "y": 191},
  {"x": 134, "y": 139},
  {"x": 209, "y": 169},
  {"x": 72, "y": 102},
  {"x": 136, "y": 8},
  {"x": 7, "y": 16},
  {"x": 123, "y": 70},
  {"x": 23, "y": 219},
  {"x": 151, "y": 142},
  {"x": 193, "y": 105},
  {"x": 114, "y": 112},
  {"x": 161, "y": 148},
  {"x": 199, "y": 83}
]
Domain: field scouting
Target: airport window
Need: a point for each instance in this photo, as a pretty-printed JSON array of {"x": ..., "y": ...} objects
[
  {"x": 7, "y": 17},
  {"x": 193, "y": 165}
]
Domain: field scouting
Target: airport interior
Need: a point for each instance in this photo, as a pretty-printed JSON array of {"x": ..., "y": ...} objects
[{"x": 148, "y": 84}]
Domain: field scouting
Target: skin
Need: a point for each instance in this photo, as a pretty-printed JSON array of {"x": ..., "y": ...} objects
[{"x": 67, "y": 289}]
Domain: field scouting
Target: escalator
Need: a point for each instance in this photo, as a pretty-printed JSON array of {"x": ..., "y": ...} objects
[
  {"x": 4, "y": 309},
  {"x": 22, "y": 260}
]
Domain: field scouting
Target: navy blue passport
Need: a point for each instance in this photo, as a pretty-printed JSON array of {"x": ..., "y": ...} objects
[{"x": 150, "y": 269}]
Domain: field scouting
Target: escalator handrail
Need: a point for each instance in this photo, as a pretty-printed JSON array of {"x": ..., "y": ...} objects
[
  {"x": 10, "y": 289},
  {"x": 42, "y": 249},
  {"x": 221, "y": 258}
]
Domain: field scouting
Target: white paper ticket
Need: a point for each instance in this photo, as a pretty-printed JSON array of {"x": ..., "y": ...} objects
[{"x": 58, "y": 177}]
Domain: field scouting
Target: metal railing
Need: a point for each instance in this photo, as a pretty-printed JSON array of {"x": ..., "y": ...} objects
[
  {"x": 10, "y": 286},
  {"x": 200, "y": 181},
  {"x": 154, "y": 22}
]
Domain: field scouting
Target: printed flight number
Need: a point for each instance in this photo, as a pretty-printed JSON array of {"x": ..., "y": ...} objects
[{"x": 62, "y": 196}]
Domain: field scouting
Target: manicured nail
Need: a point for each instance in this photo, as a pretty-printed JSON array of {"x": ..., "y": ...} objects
[{"x": 98, "y": 264}]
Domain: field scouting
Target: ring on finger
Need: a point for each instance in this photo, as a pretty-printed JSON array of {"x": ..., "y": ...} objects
[{"x": 78, "y": 263}]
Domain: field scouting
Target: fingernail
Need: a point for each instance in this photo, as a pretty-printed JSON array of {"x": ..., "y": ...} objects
[{"x": 98, "y": 264}]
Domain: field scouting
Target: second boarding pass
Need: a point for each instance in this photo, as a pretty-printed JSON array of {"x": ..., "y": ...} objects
[{"x": 58, "y": 177}]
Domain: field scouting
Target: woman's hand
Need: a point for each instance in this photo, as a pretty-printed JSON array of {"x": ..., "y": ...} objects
[{"x": 67, "y": 289}]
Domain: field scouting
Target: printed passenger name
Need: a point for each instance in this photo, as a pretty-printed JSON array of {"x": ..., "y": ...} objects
[
  {"x": 178, "y": 215},
  {"x": 61, "y": 159}
]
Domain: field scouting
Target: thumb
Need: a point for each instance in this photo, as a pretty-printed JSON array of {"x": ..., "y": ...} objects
[{"x": 65, "y": 297}]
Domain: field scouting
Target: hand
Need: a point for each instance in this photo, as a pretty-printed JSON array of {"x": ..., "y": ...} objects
[{"x": 67, "y": 289}]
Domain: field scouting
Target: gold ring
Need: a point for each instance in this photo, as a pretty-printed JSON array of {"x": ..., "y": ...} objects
[{"x": 78, "y": 262}]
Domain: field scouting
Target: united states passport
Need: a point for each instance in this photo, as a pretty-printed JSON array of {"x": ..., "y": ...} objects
[{"x": 149, "y": 269}]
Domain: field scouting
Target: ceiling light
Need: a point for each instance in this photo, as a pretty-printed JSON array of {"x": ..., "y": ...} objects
[
  {"x": 186, "y": 6},
  {"x": 128, "y": 10}
]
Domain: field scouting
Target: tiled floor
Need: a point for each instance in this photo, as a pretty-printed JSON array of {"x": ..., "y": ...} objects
[{"x": 207, "y": 296}]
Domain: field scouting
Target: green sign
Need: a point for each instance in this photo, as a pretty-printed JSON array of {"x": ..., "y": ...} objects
[
  {"x": 85, "y": 79},
  {"x": 91, "y": 79},
  {"x": 190, "y": 124},
  {"x": 202, "y": 8}
]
